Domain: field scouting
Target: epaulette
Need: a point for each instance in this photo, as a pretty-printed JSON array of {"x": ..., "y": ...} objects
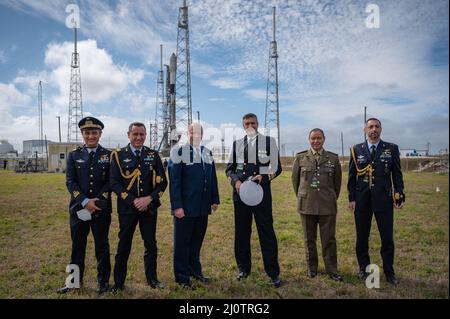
[
  {"x": 388, "y": 144},
  {"x": 78, "y": 148},
  {"x": 335, "y": 154},
  {"x": 302, "y": 152}
]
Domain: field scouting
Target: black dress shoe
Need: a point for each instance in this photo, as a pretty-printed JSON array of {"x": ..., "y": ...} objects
[
  {"x": 390, "y": 278},
  {"x": 202, "y": 278},
  {"x": 155, "y": 283},
  {"x": 64, "y": 290},
  {"x": 186, "y": 285},
  {"x": 335, "y": 277},
  {"x": 276, "y": 282},
  {"x": 116, "y": 289},
  {"x": 102, "y": 288},
  {"x": 242, "y": 275},
  {"x": 363, "y": 275},
  {"x": 311, "y": 274}
]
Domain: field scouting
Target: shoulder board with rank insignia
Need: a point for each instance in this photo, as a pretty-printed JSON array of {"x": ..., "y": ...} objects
[
  {"x": 332, "y": 153},
  {"x": 302, "y": 152}
]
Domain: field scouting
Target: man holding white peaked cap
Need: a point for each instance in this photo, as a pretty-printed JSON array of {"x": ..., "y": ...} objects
[{"x": 256, "y": 157}]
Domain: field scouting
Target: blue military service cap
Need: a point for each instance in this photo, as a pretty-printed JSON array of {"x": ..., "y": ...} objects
[{"x": 90, "y": 122}]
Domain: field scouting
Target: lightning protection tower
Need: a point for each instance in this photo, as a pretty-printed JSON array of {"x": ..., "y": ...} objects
[
  {"x": 161, "y": 109},
  {"x": 75, "y": 101},
  {"x": 272, "y": 120},
  {"x": 183, "y": 75}
]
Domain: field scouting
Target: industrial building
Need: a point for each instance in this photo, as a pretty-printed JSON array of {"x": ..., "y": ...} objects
[
  {"x": 7, "y": 155},
  {"x": 57, "y": 155},
  {"x": 31, "y": 147}
]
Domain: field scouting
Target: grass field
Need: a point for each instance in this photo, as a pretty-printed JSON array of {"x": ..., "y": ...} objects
[{"x": 35, "y": 246}]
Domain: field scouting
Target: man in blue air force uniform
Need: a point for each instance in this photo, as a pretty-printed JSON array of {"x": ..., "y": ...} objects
[
  {"x": 87, "y": 180},
  {"x": 373, "y": 169},
  {"x": 193, "y": 195}
]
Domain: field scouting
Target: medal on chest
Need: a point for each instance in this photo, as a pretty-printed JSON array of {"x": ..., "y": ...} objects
[{"x": 314, "y": 181}]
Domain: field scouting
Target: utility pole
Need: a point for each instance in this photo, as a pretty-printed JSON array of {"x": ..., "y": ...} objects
[
  {"x": 46, "y": 155},
  {"x": 41, "y": 129},
  {"x": 223, "y": 149},
  {"x": 59, "y": 127},
  {"x": 365, "y": 120}
]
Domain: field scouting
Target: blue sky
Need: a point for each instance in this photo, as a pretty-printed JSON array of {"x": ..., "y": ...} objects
[{"x": 330, "y": 66}]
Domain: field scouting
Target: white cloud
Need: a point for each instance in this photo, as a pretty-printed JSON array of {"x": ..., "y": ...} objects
[
  {"x": 104, "y": 83},
  {"x": 227, "y": 83},
  {"x": 10, "y": 97},
  {"x": 101, "y": 79},
  {"x": 256, "y": 94},
  {"x": 330, "y": 65}
]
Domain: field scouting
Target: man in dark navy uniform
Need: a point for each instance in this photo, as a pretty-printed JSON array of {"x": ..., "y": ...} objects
[
  {"x": 139, "y": 180},
  {"x": 374, "y": 167},
  {"x": 87, "y": 180},
  {"x": 256, "y": 157},
  {"x": 194, "y": 194}
]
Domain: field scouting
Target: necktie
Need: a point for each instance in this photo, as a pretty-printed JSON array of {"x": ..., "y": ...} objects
[
  {"x": 199, "y": 154},
  {"x": 91, "y": 157},
  {"x": 317, "y": 156},
  {"x": 138, "y": 154},
  {"x": 372, "y": 151}
]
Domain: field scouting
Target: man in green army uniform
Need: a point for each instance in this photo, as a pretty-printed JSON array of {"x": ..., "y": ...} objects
[{"x": 316, "y": 178}]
